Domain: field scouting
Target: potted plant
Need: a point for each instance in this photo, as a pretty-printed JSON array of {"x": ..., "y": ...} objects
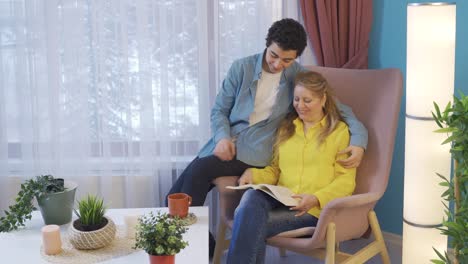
[
  {"x": 454, "y": 121},
  {"x": 54, "y": 196},
  {"x": 160, "y": 236},
  {"x": 92, "y": 229}
]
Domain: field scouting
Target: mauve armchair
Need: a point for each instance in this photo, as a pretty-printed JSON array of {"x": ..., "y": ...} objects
[{"x": 374, "y": 96}]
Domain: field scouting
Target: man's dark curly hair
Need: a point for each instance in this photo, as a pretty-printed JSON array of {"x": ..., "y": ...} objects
[{"x": 288, "y": 34}]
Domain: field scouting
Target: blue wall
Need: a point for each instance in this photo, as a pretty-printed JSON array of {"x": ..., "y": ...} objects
[{"x": 388, "y": 50}]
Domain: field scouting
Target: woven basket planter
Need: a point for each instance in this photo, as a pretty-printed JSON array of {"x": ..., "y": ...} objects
[{"x": 92, "y": 239}]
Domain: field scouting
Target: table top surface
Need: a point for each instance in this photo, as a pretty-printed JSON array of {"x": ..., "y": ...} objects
[{"x": 23, "y": 246}]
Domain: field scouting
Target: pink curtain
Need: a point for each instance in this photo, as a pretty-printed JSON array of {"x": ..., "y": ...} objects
[{"x": 339, "y": 31}]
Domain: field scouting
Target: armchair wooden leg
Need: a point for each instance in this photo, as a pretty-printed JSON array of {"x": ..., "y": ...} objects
[
  {"x": 221, "y": 243},
  {"x": 330, "y": 251},
  {"x": 374, "y": 223}
]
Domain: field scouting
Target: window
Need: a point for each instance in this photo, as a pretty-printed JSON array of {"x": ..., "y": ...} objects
[{"x": 94, "y": 87}]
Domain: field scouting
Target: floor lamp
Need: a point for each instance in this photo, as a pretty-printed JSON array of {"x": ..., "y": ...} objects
[{"x": 429, "y": 77}]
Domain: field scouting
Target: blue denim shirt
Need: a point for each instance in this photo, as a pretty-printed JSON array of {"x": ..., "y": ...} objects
[{"x": 235, "y": 102}]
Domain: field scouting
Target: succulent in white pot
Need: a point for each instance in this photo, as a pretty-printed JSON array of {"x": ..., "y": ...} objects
[{"x": 92, "y": 230}]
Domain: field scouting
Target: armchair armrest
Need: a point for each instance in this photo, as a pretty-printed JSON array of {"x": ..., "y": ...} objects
[
  {"x": 349, "y": 212},
  {"x": 355, "y": 200}
]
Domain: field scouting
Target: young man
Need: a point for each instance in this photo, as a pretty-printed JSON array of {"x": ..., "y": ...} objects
[{"x": 255, "y": 96}]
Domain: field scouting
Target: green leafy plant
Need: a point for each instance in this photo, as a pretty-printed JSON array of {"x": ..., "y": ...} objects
[
  {"x": 160, "y": 234},
  {"x": 454, "y": 121},
  {"x": 91, "y": 211},
  {"x": 21, "y": 211}
]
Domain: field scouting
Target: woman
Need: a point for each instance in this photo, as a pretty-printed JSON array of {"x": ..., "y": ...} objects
[{"x": 306, "y": 150}]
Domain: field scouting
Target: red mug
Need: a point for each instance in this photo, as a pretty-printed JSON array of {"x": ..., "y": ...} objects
[{"x": 179, "y": 204}]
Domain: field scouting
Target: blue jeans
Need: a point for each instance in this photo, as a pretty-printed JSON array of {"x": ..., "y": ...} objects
[{"x": 257, "y": 218}]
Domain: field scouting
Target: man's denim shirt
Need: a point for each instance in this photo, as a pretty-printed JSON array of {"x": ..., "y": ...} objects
[{"x": 235, "y": 102}]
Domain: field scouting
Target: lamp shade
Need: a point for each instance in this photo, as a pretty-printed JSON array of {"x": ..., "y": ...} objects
[
  {"x": 430, "y": 56},
  {"x": 430, "y": 71}
]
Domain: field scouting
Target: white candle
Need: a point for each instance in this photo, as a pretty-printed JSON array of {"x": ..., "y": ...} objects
[
  {"x": 131, "y": 222},
  {"x": 51, "y": 239}
]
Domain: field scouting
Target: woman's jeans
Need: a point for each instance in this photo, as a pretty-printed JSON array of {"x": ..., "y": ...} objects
[{"x": 257, "y": 218}]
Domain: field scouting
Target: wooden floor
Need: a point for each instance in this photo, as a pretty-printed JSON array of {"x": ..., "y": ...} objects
[{"x": 273, "y": 256}]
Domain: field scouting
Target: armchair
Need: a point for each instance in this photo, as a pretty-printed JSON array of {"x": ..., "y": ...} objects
[{"x": 374, "y": 96}]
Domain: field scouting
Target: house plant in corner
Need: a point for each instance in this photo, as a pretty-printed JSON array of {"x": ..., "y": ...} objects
[
  {"x": 454, "y": 121},
  {"x": 55, "y": 198},
  {"x": 92, "y": 230},
  {"x": 160, "y": 236}
]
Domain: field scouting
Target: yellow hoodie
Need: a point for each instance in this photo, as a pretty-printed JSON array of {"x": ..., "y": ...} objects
[{"x": 305, "y": 167}]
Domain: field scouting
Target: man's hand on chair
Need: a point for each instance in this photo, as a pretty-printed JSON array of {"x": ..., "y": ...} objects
[
  {"x": 354, "y": 159},
  {"x": 246, "y": 178}
]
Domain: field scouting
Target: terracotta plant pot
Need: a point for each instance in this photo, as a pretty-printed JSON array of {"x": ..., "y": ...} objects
[
  {"x": 161, "y": 259},
  {"x": 92, "y": 239}
]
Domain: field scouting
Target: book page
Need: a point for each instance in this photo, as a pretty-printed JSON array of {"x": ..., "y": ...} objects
[
  {"x": 242, "y": 187},
  {"x": 280, "y": 193}
]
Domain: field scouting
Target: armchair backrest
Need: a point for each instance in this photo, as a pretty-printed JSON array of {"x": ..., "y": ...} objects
[{"x": 374, "y": 96}]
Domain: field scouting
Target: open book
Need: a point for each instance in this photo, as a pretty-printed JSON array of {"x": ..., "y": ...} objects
[{"x": 280, "y": 193}]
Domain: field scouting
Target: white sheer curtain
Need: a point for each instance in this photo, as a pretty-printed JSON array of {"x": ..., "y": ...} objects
[{"x": 115, "y": 94}]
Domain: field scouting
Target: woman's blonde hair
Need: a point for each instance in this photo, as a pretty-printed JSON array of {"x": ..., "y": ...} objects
[{"x": 317, "y": 84}]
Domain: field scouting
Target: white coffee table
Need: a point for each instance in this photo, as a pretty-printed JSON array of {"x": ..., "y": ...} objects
[{"x": 23, "y": 246}]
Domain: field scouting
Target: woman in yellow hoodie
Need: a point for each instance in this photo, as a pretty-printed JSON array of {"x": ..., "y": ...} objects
[{"x": 307, "y": 147}]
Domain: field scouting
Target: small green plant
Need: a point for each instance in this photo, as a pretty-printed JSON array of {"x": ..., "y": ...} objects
[
  {"x": 21, "y": 211},
  {"x": 160, "y": 234},
  {"x": 454, "y": 121},
  {"x": 91, "y": 211}
]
